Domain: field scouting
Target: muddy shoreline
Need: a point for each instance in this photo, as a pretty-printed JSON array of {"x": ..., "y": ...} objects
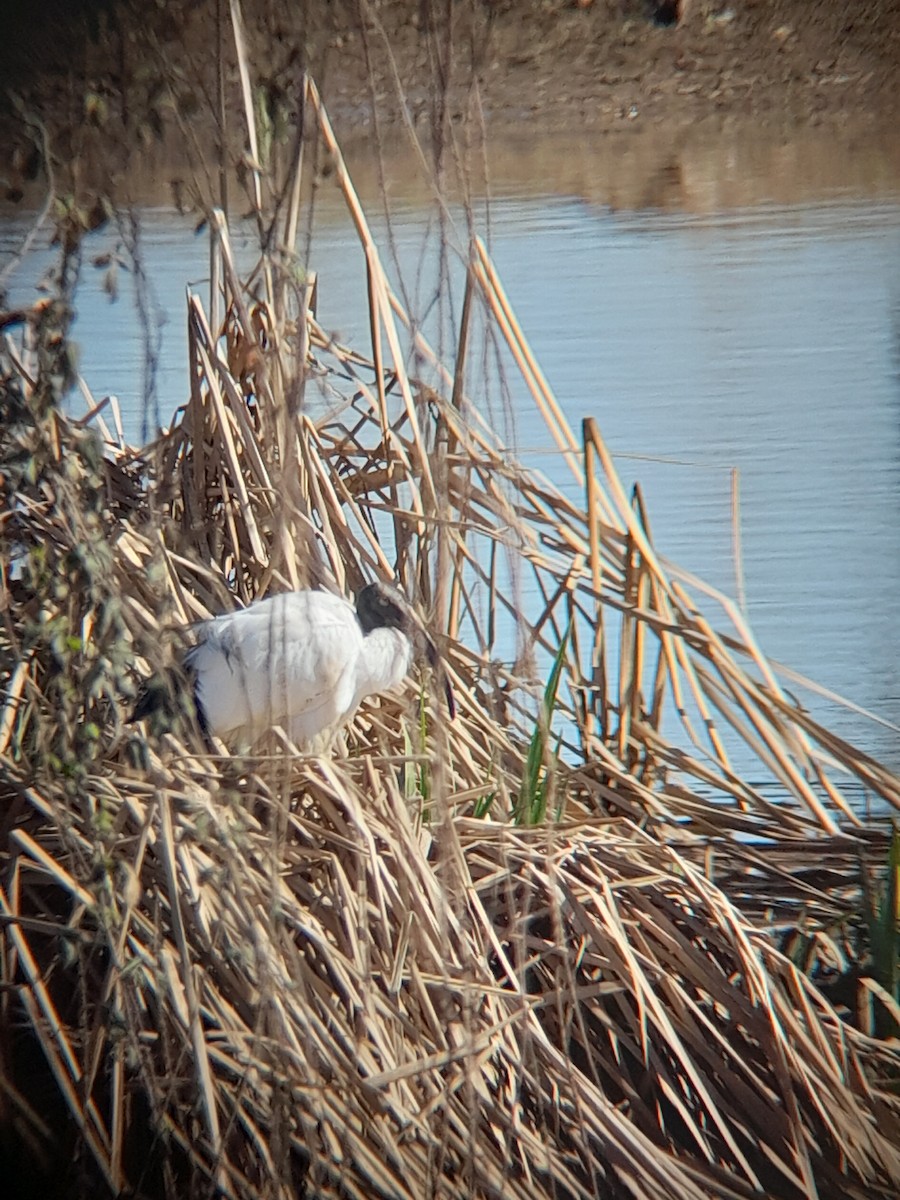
[{"x": 123, "y": 86}]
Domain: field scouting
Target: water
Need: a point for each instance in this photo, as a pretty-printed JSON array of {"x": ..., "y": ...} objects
[
  {"x": 760, "y": 338},
  {"x": 764, "y": 340}
]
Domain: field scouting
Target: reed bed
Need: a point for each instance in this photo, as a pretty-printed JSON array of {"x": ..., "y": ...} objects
[{"x": 531, "y": 951}]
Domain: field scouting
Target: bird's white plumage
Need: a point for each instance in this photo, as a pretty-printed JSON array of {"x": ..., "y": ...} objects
[{"x": 299, "y": 660}]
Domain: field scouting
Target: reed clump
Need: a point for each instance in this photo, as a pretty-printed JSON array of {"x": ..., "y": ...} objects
[{"x": 533, "y": 951}]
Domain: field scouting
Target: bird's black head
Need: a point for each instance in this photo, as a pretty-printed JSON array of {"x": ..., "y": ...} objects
[{"x": 380, "y": 606}]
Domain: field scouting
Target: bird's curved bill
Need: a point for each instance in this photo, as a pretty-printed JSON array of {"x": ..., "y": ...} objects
[{"x": 436, "y": 663}]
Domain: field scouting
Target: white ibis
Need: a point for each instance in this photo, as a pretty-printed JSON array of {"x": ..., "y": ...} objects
[{"x": 302, "y": 660}]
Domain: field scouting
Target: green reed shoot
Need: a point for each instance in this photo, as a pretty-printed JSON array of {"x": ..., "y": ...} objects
[{"x": 540, "y": 766}]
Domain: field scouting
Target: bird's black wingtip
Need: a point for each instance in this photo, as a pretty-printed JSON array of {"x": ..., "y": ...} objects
[{"x": 200, "y": 712}]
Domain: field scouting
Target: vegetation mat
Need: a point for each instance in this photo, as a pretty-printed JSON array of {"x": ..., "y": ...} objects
[{"x": 576, "y": 942}]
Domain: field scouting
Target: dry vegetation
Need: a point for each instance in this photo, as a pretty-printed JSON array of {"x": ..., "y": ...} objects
[{"x": 531, "y": 952}]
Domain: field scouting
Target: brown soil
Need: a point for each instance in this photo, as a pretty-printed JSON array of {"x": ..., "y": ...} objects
[
  {"x": 131, "y": 72},
  {"x": 565, "y": 65}
]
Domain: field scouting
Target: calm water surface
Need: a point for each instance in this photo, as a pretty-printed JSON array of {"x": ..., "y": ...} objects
[{"x": 763, "y": 338}]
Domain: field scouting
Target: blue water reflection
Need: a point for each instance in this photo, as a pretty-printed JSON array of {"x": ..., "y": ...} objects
[{"x": 761, "y": 340}]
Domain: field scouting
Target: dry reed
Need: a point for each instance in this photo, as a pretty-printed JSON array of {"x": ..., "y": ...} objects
[{"x": 270, "y": 976}]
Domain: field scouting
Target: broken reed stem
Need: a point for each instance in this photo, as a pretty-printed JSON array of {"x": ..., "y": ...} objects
[
  {"x": 598, "y": 642},
  {"x": 737, "y": 550},
  {"x": 501, "y": 310}
]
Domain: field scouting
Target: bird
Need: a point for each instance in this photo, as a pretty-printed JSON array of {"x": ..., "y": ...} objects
[{"x": 303, "y": 660}]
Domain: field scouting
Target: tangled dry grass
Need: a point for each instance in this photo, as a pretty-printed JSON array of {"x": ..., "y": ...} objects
[{"x": 527, "y": 953}]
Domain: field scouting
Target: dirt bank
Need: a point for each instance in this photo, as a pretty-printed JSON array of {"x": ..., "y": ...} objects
[
  {"x": 602, "y": 63},
  {"x": 126, "y": 75}
]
